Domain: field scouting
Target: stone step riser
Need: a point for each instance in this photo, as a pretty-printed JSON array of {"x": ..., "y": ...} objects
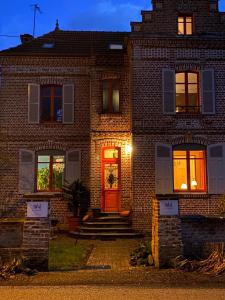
[
  {"x": 106, "y": 230},
  {"x": 104, "y": 236},
  {"x": 99, "y": 225},
  {"x": 110, "y": 219}
]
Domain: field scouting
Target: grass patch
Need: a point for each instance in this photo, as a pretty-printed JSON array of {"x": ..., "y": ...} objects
[{"x": 66, "y": 253}]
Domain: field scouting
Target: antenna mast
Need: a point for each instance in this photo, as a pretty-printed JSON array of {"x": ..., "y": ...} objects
[{"x": 36, "y": 9}]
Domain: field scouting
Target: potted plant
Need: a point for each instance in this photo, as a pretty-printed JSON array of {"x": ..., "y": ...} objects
[{"x": 78, "y": 198}]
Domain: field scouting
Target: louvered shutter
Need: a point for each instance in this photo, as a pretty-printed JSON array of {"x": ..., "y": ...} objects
[
  {"x": 26, "y": 171},
  {"x": 163, "y": 169},
  {"x": 33, "y": 103},
  {"x": 73, "y": 165},
  {"x": 68, "y": 103},
  {"x": 169, "y": 91},
  {"x": 208, "y": 92},
  {"x": 216, "y": 169}
]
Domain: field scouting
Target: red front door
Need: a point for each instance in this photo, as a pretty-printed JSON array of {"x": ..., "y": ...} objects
[{"x": 110, "y": 179}]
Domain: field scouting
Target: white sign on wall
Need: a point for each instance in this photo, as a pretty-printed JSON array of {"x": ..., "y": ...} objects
[
  {"x": 37, "y": 209},
  {"x": 169, "y": 208}
]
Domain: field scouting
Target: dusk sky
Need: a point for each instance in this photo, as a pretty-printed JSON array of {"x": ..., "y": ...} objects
[{"x": 16, "y": 16}]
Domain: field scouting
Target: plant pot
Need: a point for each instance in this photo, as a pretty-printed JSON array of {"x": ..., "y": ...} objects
[{"x": 74, "y": 223}]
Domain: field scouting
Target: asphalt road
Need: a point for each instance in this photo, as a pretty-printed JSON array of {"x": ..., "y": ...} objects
[{"x": 108, "y": 293}]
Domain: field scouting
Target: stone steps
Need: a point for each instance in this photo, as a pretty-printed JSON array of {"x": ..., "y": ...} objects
[{"x": 106, "y": 226}]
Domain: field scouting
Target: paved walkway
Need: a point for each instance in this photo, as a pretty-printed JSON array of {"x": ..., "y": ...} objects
[{"x": 112, "y": 253}]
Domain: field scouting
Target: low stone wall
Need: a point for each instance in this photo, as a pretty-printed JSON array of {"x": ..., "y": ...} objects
[
  {"x": 191, "y": 236},
  {"x": 200, "y": 233},
  {"x": 166, "y": 236},
  {"x": 27, "y": 237}
]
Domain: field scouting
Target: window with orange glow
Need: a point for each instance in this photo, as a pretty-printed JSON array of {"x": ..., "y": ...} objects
[
  {"x": 187, "y": 92},
  {"x": 189, "y": 170},
  {"x": 185, "y": 25}
]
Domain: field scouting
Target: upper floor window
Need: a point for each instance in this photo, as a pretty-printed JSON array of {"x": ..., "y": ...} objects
[
  {"x": 187, "y": 92},
  {"x": 111, "y": 96},
  {"x": 50, "y": 172},
  {"x": 51, "y": 103},
  {"x": 185, "y": 25}
]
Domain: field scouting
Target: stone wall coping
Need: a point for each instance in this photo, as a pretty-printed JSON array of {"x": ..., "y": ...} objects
[
  {"x": 202, "y": 218},
  {"x": 13, "y": 220}
]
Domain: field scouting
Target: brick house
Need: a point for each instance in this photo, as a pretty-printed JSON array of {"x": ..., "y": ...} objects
[{"x": 73, "y": 103}]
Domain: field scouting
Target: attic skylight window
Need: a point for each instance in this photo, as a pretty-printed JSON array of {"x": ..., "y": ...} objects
[
  {"x": 48, "y": 45},
  {"x": 116, "y": 47}
]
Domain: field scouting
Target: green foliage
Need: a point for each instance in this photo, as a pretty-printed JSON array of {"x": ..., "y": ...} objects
[
  {"x": 139, "y": 256},
  {"x": 43, "y": 179},
  {"x": 66, "y": 254}
]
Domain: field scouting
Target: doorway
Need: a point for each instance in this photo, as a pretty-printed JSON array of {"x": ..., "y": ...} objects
[{"x": 111, "y": 179}]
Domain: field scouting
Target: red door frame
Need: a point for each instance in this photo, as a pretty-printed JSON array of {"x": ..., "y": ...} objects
[{"x": 110, "y": 160}]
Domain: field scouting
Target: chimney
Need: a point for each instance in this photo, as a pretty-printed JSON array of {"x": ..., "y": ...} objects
[{"x": 25, "y": 38}]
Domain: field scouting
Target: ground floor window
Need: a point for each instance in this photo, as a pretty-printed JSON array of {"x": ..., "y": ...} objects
[
  {"x": 50, "y": 172},
  {"x": 189, "y": 170}
]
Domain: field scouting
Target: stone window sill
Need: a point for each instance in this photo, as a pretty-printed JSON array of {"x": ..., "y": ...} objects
[{"x": 39, "y": 195}]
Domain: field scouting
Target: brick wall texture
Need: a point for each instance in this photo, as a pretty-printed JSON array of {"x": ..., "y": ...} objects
[{"x": 34, "y": 244}]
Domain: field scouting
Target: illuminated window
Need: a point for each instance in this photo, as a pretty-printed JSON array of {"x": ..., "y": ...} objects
[
  {"x": 187, "y": 92},
  {"x": 185, "y": 25},
  {"x": 51, "y": 103},
  {"x": 50, "y": 172},
  {"x": 111, "y": 96},
  {"x": 189, "y": 168}
]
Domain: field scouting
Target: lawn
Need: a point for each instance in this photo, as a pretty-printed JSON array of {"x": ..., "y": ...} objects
[{"x": 66, "y": 253}]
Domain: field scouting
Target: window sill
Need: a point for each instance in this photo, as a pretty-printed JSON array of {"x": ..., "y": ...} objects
[{"x": 39, "y": 195}]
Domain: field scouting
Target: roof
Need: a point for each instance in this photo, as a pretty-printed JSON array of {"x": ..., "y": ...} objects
[{"x": 72, "y": 43}]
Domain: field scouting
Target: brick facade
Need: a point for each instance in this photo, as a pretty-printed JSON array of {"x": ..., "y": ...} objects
[{"x": 152, "y": 46}]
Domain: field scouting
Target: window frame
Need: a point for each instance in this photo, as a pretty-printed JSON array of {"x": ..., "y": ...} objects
[
  {"x": 52, "y": 102},
  {"x": 51, "y": 163},
  {"x": 185, "y": 24},
  {"x": 188, "y": 160},
  {"x": 186, "y": 84},
  {"x": 110, "y": 82}
]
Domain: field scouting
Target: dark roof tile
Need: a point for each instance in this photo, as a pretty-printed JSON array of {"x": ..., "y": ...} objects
[{"x": 72, "y": 43}]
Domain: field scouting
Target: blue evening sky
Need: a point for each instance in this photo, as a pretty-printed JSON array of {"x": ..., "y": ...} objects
[{"x": 16, "y": 16}]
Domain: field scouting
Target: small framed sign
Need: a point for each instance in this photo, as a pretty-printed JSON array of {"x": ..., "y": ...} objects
[
  {"x": 37, "y": 209},
  {"x": 169, "y": 207}
]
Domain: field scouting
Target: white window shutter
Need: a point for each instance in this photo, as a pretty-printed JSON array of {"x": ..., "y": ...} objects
[
  {"x": 208, "y": 92},
  {"x": 26, "y": 171},
  {"x": 216, "y": 169},
  {"x": 163, "y": 169},
  {"x": 68, "y": 103},
  {"x": 169, "y": 91},
  {"x": 33, "y": 103},
  {"x": 73, "y": 165}
]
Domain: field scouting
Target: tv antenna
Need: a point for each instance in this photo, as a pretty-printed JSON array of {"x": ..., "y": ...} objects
[{"x": 36, "y": 9}]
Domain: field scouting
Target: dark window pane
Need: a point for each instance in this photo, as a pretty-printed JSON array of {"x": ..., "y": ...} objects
[
  {"x": 46, "y": 109},
  {"x": 105, "y": 100},
  {"x": 58, "y": 91},
  {"x": 46, "y": 91},
  {"x": 58, "y": 110}
]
